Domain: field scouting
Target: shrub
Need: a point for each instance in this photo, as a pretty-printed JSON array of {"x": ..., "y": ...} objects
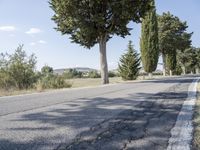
[
  {"x": 52, "y": 82},
  {"x": 112, "y": 74},
  {"x": 94, "y": 74},
  {"x": 72, "y": 73},
  {"x": 17, "y": 70}
]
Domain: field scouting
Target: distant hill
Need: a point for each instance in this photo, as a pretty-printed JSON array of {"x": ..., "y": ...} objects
[{"x": 81, "y": 69}]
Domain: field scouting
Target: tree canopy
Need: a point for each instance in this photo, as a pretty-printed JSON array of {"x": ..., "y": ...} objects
[
  {"x": 89, "y": 22},
  {"x": 172, "y": 37},
  {"x": 172, "y": 33}
]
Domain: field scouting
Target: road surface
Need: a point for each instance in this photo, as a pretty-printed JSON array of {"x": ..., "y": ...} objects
[{"x": 132, "y": 115}]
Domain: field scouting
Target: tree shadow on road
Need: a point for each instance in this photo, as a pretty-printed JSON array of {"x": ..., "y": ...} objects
[
  {"x": 141, "y": 122},
  {"x": 169, "y": 80}
]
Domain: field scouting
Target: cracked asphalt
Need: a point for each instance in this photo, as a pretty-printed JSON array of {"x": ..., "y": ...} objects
[{"x": 132, "y": 115}]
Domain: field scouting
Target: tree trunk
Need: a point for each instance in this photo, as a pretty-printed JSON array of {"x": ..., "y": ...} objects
[
  {"x": 150, "y": 75},
  {"x": 197, "y": 71},
  {"x": 164, "y": 65},
  {"x": 170, "y": 73},
  {"x": 184, "y": 70},
  {"x": 103, "y": 60}
]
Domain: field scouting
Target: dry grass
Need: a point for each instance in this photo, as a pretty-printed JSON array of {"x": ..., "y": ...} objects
[
  {"x": 16, "y": 92},
  {"x": 196, "y": 139},
  {"x": 91, "y": 82},
  {"x": 87, "y": 82}
]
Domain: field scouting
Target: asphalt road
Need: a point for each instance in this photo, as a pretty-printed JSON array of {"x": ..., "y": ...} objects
[{"x": 134, "y": 115}]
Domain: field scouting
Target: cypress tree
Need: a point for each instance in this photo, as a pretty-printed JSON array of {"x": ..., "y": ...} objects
[
  {"x": 129, "y": 65},
  {"x": 149, "y": 41}
]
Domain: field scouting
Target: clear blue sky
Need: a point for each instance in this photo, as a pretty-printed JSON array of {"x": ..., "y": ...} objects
[{"x": 29, "y": 22}]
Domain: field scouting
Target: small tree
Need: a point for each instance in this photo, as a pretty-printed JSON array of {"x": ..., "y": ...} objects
[
  {"x": 96, "y": 21},
  {"x": 22, "y": 68},
  {"x": 129, "y": 65}
]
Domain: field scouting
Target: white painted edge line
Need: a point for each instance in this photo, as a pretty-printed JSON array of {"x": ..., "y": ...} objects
[{"x": 181, "y": 133}]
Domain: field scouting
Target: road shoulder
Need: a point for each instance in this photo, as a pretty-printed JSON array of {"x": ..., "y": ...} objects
[{"x": 196, "y": 122}]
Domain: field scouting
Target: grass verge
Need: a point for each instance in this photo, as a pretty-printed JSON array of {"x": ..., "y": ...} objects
[
  {"x": 196, "y": 138},
  {"x": 91, "y": 81},
  {"x": 76, "y": 83},
  {"x": 16, "y": 92}
]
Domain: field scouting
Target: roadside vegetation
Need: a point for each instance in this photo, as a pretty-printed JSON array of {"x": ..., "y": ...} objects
[
  {"x": 18, "y": 74},
  {"x": 196, "y": 138},
  {"x": 161, "y": 35}
]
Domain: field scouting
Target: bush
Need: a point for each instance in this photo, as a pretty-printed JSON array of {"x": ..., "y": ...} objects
[
  {"x": 6, "y": 82},
  {"x": 72, "y": 73},
  {"x": 112, "y": 74},
  {"x": 94, "y": 74},
  {"x": 52, "y": 82},
  {"x": 17, "y": 70}
]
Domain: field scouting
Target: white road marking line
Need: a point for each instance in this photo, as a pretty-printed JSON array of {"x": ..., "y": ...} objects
[{"x": 181, "y": 133}]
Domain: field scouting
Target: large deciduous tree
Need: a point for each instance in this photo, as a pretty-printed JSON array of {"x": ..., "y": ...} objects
[
  {"x": 149, "y": 41},
  {"x": 95, "y": 21},
  {"x": 172, "y": 37}
]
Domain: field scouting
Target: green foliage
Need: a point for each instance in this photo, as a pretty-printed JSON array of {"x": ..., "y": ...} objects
[
  {"x": 52, "y": 81},
  {"x": 88, "y": 21},
  {"x": 5, "y": 81},
  {"x": 46, "y": 70},
  {"x": 72, "y": 73},
  {"x": 149, "y": 41},
  {"x": 172, "y": 35},
  {"x": 178, "y": 70},
  {"x": 189, "y": 60},
  {"x": 129, "y": 65},
  {"x": 17, "y": 70},
  {"x": 112, "y": 74},
  {"x": 49, "y": 80},
  {"x": 94, "y": 74},
  {"x": 172, "y": 38},
  {"x": 96, "y": 21},
  {"x": 22, "y": 68},
  {"x": 192, "y": 61},
  {"x": 171, "y": 61},
  {"x": 197, "y": 50}
]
